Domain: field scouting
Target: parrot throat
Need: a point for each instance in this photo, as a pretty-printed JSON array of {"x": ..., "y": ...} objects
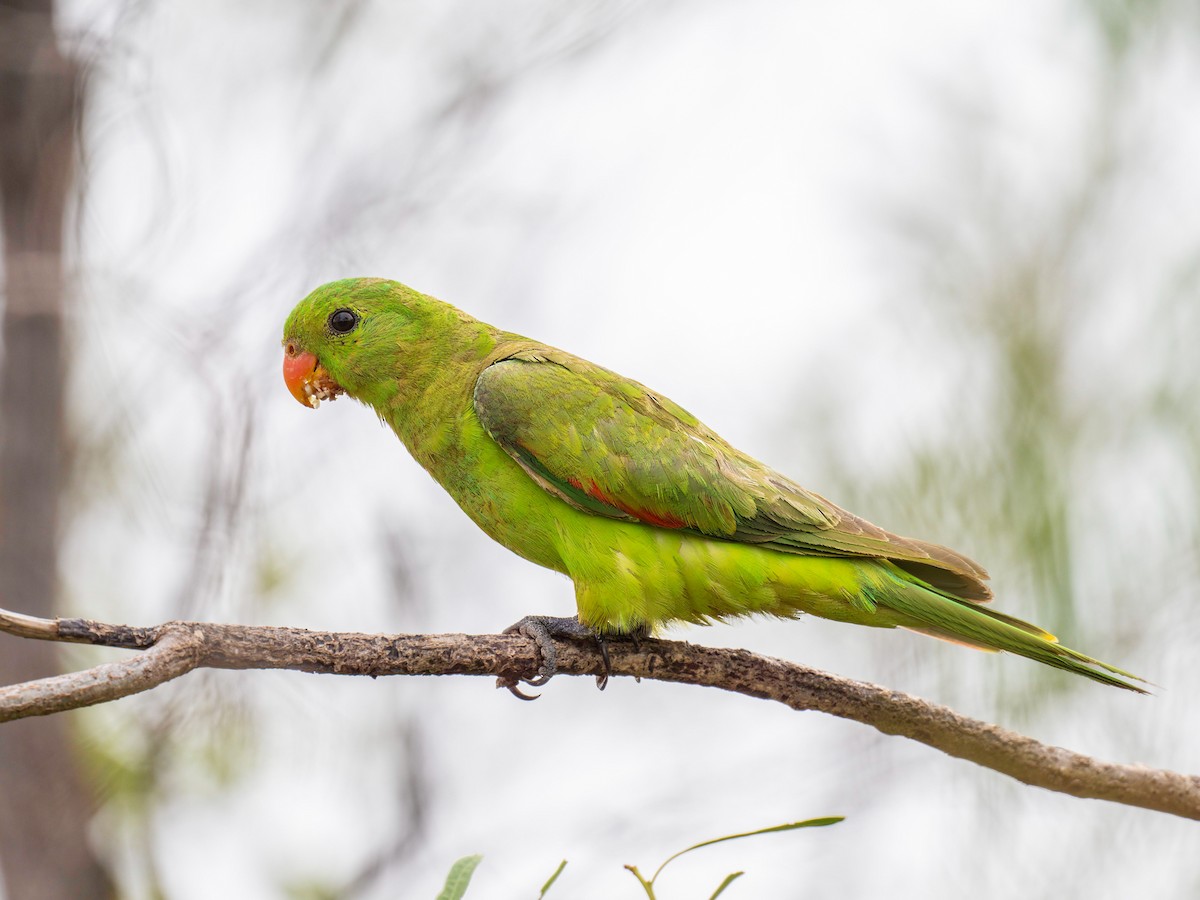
[{"x": 430, "y": 388}]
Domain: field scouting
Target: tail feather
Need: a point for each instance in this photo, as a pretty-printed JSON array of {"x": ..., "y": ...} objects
[
  {"x": 959, "y": 621},
  {"x": 942, "y": 636}
]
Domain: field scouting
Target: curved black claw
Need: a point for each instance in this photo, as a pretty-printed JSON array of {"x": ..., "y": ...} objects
[
  {"x": 513, "y": 686},
  {"x": 602, "y": 679}
]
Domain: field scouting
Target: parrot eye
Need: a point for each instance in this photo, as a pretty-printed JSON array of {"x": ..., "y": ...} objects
[{"x": 342, "y": 321}]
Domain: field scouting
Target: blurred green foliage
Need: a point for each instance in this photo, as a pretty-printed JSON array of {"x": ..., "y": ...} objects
[
  {"x": 1071, "y": 412},
  {"x": 459, "y": 877}
]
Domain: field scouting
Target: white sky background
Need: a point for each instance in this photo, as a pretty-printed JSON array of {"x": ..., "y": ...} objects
[{"x": 698, "y": 201}]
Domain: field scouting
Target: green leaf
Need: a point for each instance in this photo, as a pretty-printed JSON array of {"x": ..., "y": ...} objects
[
  {"x": 459, "y": 878},
  {"x": 729, "y": 879},
  {"x": 553, "y": 878},
  {"x": 807, "y": 823}
]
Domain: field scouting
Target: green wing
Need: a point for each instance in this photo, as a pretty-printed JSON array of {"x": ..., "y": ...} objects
[{"x": 613, "y": 447}]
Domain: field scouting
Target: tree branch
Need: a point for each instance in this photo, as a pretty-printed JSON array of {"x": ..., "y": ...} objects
[{"x": 178, "y": 647}]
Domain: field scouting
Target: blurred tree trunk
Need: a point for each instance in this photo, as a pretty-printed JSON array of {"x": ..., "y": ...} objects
[{"x": 45, "y": 809}]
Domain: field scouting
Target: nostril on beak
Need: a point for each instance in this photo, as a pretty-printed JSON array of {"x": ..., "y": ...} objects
[{"x": 290, "y": 350}]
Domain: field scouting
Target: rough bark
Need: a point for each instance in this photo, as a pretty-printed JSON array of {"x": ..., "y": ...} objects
[{"x": 177, "y": 647}]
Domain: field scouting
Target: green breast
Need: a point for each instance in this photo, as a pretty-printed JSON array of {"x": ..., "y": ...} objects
[{"x": 448, "y": 440}]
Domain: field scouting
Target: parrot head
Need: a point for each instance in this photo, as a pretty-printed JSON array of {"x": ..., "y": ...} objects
[
  {"x": 373, "y": 340},
  {"x": 342, "y": 336}
]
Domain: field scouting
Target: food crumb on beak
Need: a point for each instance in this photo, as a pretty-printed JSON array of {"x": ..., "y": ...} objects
[
  {"x": 320, "y": 387},
  {"x": 307, "y": 380}
]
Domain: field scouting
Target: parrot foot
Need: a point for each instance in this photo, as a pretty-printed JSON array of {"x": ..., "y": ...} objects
[{"x": 542, "y": 630}]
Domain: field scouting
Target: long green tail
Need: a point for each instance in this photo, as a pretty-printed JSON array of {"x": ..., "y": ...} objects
[{"x": 950, "y": 618}]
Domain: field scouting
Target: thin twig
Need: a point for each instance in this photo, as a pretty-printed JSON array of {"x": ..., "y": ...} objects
[
  {"x": 178, "y": 647},
  {"x": 173, "y": 655}
]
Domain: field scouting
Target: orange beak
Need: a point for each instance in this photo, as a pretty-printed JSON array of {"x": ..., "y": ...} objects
[{"x": 307, "y": 379}]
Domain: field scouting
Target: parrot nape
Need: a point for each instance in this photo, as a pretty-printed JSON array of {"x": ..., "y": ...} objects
[{"x": 652, "y": 515}]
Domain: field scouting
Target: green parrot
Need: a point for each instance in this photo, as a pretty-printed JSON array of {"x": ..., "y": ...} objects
[{"x": 651, "y": 514}]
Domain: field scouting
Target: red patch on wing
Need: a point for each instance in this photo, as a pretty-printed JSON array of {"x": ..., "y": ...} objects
[{"x": 662, "y": 521}]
